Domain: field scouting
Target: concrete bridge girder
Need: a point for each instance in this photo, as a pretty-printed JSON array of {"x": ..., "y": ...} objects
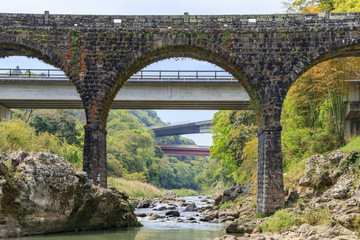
[
  {"x": 266, "y": 53},
  {"x": 62, "y": 94}
]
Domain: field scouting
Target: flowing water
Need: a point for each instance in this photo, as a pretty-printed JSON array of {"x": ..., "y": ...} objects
[{"x": 162, "y": 229}]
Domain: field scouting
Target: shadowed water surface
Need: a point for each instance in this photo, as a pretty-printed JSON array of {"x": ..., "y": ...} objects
[
  {"x": 144, "y": 233},
  {"x": 152, "y": 230}
]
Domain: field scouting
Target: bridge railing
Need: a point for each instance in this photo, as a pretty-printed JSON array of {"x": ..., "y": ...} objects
[
  {"x": 18, "y": 73},
  {"x": 183, "y": 75},
  {"x": 142, "y": 76}
]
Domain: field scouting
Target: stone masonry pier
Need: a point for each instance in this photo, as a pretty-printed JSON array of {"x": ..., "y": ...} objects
[{"x": 266, "y": 53}]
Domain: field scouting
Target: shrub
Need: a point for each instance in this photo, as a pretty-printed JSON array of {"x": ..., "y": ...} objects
[{"x": 282, "y": 220}]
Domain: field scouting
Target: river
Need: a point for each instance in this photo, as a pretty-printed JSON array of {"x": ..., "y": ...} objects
[{"x": 162, "y": 229}]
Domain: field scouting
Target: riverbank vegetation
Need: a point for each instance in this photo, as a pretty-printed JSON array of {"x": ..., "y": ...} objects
[{"x": 132, "y": 150}]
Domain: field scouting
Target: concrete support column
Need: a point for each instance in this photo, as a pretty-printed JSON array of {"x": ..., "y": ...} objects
[
  {"x": 5, "y": 113},
  {"x": 270, "y": 186},
  {"x": 94, "y": 162}
]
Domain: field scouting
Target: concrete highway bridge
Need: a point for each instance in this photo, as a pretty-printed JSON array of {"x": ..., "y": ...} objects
[
  {"x": 265, "y": 53},
  {"x": 185, "y": 150},
  {"x": 182, "y": 128},
  {"x": 148, "y": 89}
]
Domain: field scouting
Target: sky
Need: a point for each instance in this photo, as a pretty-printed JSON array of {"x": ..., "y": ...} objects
[{"x": 145, "y": 7}]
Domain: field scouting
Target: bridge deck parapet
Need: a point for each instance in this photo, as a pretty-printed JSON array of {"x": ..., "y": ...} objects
[{"x": 166, "y": 21}]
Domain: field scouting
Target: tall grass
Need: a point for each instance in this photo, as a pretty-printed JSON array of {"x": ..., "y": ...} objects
[
  {"x": 354, "y": 144},
  {"x": 136, "y": 189}
]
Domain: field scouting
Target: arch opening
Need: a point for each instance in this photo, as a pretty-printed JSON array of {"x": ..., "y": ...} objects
[
  {"x": 179, "y": 52},
  {"x": 319, "y": 113},
  {"x": 150, "y": 62},
  {"x": 22, "y": 65}
]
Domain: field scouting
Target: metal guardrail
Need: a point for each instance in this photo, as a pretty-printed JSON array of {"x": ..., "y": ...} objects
[{"x": 142, "y": 76}]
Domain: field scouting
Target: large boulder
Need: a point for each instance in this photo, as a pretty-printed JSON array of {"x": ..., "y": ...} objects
[
  {"x": 321, "y": 171},
  {"x": 42, "y": 193},
  {"x": 229, "y": 195}
]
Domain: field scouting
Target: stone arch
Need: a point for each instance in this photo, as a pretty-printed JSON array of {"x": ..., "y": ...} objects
[
  {"x": 168, "y": 52},
  {"x": 20, "y": 47},
  {"x": 10, "y": 46},
  {"x": 342, "y": 48}
]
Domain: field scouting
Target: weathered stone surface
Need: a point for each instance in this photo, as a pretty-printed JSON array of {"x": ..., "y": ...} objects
[
  {"x": 172, "y": 213},
  {"x": 137, "y": 214},
  {"x": 45, "y": 194},
  {"x": 235, "y": 191},
  {"x": 3, "y": 168},
  {"x": 292, "y": 198},
  {"x": 190, "y": 208},
  {"x": 144, "y": 203},
  {"x": 154, "y": 216},
  {"x": 336, "y": 157},
  {"x": 319, "y": 170}
]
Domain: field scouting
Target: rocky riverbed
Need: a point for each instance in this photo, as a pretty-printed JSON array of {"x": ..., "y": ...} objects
[
  {"x": 192, "y": 209},
  {"x": 182, "y": 212},
  {"x": 325, "y": 204}
]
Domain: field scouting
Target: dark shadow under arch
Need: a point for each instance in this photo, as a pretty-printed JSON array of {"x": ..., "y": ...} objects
[{"x": 174, "y": 52}]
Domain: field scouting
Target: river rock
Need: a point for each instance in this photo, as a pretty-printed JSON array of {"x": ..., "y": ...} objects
[
  {"x": 319, "y": 171},
  {"x": 172, "y": 214},
  {"x": 233, "y": 213},
  {"x": 235, "y": 191},
  {"x": 3, "y": 168},
  {"x": 154, "y": 216},
  {"x": 191, "y": 208},
  {"x": 227, "y": 237},
  {"x": 138, "y": 214},
  {"x": 162, "y": 208},
  {"x": 336, "y": 157},
  {"x": 144, "y": 203},
  {"x": 170, "y": 194},
  {"x": 45, "y": 194},
  {"x": 238, "y": 228},
  {"x": 293, "y": 197}
]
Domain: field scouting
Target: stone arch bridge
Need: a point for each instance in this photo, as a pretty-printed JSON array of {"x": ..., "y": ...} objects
[{"x": 266, "y": 53}]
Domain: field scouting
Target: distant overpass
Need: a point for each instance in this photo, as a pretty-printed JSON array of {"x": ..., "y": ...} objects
[
  {"x": 150, "y": 89},
  {"x": 184, "y": 128},
  {"x": 185, "y": 150}
]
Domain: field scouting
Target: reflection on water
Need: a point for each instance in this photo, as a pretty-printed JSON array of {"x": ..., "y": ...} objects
[{"x": 135, "y": 234}]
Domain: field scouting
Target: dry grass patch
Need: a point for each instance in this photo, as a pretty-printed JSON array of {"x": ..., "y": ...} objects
[{"x": 136, "y": 189}]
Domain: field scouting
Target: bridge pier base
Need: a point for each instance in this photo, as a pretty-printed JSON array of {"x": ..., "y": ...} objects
[
  {"x": 94, "y": 162},
  {"x": 5, "y": 113},
  {"x": 270, "y": 186}
]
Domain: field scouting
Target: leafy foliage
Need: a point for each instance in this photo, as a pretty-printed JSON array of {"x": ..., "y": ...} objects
[
  {"x": 17, "y": 135},
  {"x": 133, "y": 152},
  {"x": 312, "y": 117},
  {"x": 234, "y": 152},
  {"x": 314, "y": 6},
  {"x": 57, "y": 122},
  {"x": 282, "y": 220}
]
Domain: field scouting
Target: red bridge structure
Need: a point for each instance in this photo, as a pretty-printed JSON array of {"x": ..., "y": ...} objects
[{"x": 185, "y": 150}]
